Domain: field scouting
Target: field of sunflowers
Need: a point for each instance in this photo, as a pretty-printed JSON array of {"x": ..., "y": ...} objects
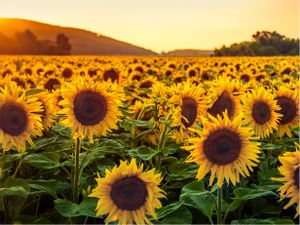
[{"x": 94, "y": 140}]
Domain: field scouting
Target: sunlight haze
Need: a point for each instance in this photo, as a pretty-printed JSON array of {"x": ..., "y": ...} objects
[{"x": 164, "y": 25}]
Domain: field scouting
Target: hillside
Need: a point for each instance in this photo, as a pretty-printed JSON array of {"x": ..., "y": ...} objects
[
  {"x": 189, "y": 52},
  {"x": 82, "y": 41}
]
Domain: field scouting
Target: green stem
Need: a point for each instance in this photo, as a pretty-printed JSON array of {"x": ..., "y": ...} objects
[
  {"x": 18, "y": 166},
  {"x": 161, "y": 144},
  {"x": 219, "y": 208},
  {"x": 76, "y": 171}
]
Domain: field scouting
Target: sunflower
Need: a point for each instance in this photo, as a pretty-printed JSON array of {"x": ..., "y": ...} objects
[
  {"x": 48, "y": 108},
  {"x": 112, "y": 74},
  {"x": 67, "y": 73},
  {"x": 290, "y": 171},
  {"x": 222, "y": 98},
  {"x": 127, "y": 194},
  {"x": 89, "y": 108},
  {"x": 189, "y": 106},
  {"x": 19, "y": 119},
  {"x": 289, "y": 108},
  {"x": 147, "y": 83},
  {"x": 224, "y": 148},
  {"x": 52, "y": 83},
  {"x": 259, "y": 109}
]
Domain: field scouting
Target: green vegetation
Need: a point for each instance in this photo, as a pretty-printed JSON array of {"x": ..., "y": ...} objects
[{"x": 264, "y": 43}]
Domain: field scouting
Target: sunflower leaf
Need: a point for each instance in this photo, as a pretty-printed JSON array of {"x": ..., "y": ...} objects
[
  {"x": 250, "y": 193},
  {"x": 69, "y": 209}
]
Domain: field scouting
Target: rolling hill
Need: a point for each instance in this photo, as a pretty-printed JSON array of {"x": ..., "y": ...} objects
[{"x": 82, "y": 41}]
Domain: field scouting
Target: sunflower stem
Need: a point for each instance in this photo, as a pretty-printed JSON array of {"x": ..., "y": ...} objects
[
  {"x": 162, "y": 139},
  {"x": 76, "y": 171},
  {"x": 219, "y": 207},
  {"x": 18, "y": 166}
]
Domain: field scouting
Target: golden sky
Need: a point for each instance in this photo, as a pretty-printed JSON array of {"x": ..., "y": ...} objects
[{"x": 163, "y": 25}]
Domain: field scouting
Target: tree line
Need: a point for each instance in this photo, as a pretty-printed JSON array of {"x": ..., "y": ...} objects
[
  {"x": 264, "y": 43},
  {"x": 27, "y": 43}
]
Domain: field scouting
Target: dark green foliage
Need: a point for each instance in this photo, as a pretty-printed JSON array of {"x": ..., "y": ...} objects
[{"x": 264, "y": 43}]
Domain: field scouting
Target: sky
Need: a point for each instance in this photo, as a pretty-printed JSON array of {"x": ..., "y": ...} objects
[{"x": 164, "y": 25}]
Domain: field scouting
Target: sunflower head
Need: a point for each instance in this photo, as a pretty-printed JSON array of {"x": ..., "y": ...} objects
[
  {"x": 19, "y": 118},
  {"x": 224, "y": 148},
  {"x": 127, "y": 194},
  {"x": 259, "y": 110},
  {"x": 188, "y": 103},
  {"x": 288, "y": 102},
  {"x": 90, "y": 108},
  {"x": 290, "y": 178},
  {"x": 222, "y": 97}
]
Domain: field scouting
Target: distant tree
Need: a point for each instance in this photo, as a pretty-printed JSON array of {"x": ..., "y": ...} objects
[
  {"x": 264, "y": 43},
  {"x": 63, "y": 45},
  {"x": 27, "y": 43}
]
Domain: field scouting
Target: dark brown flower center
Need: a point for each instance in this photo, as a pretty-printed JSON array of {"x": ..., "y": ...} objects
[
  {"x": 49, "y": 72},
  {"x": 67, "y": 73},
  {"x": 28, "y": 71},
  {"x": 19, "y": 82},
  {"x": 92, "y": 72},
  {"x": 13, "y": 119},
  {"x": 129, "y": 193},
  {"x": 51, "y": 84},
  {"x": 139, "y": 69},
  {"x": 245, "y": 77},
  {"x": 296, "y": 177},
  {"x": 222, "y": 146},
  {"x": 224, "y": 102},
  {"x": 89, "y": 108},
  {"x": 111, "y": 74},
  {"x": 178, "y": 80},
  {"x": 189, "y": 111},
  {"x": 261, "y": 112},
  {"x": 288, "y": 109},
  {"x": 192, "y": 73},
  {"x": 146, "y": 84},
  {"x": 136, "y": 77},
  {"x": 259, "y": 77},
  {"x": 168, "y": 73}
]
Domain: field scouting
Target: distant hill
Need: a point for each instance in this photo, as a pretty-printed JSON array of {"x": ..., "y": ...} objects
[
  {"x": 82, "y": 41},
  {"x": 188, "y": 52}
]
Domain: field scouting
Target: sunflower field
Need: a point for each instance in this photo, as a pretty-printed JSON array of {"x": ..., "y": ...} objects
[{"x": 149, "y": 140}]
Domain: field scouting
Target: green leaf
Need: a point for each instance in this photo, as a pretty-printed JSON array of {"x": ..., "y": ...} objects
[
  {"x": 263, "y": 221},
  {"x": 42, "y": 143},
  {"x": 180, "y": 170},
  {"x": 88, "y": 158},
  {"x": 33, "y": 91},
  {"x": 179, "y": 216},
  {"x": 43, "y": 186},
  {"x": 265, "y": 206},
  {"x": 143, "y": 152},
  {"x": 10, "y": 157},
  {"x": 264, "y": 177},
  {"x": 193, "y": 187},
  {"x": 69, "y": 209},
  {"x": 250, "y": 193},
  {"x": 271, "y": 147},
  {"x": 41, "y": 161},
  {"x": 14, "y": 191},
  {"x": 202, "y": 201},
  {"x": 232, "y": 206},
  {"x": 168, "y": 209}
]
